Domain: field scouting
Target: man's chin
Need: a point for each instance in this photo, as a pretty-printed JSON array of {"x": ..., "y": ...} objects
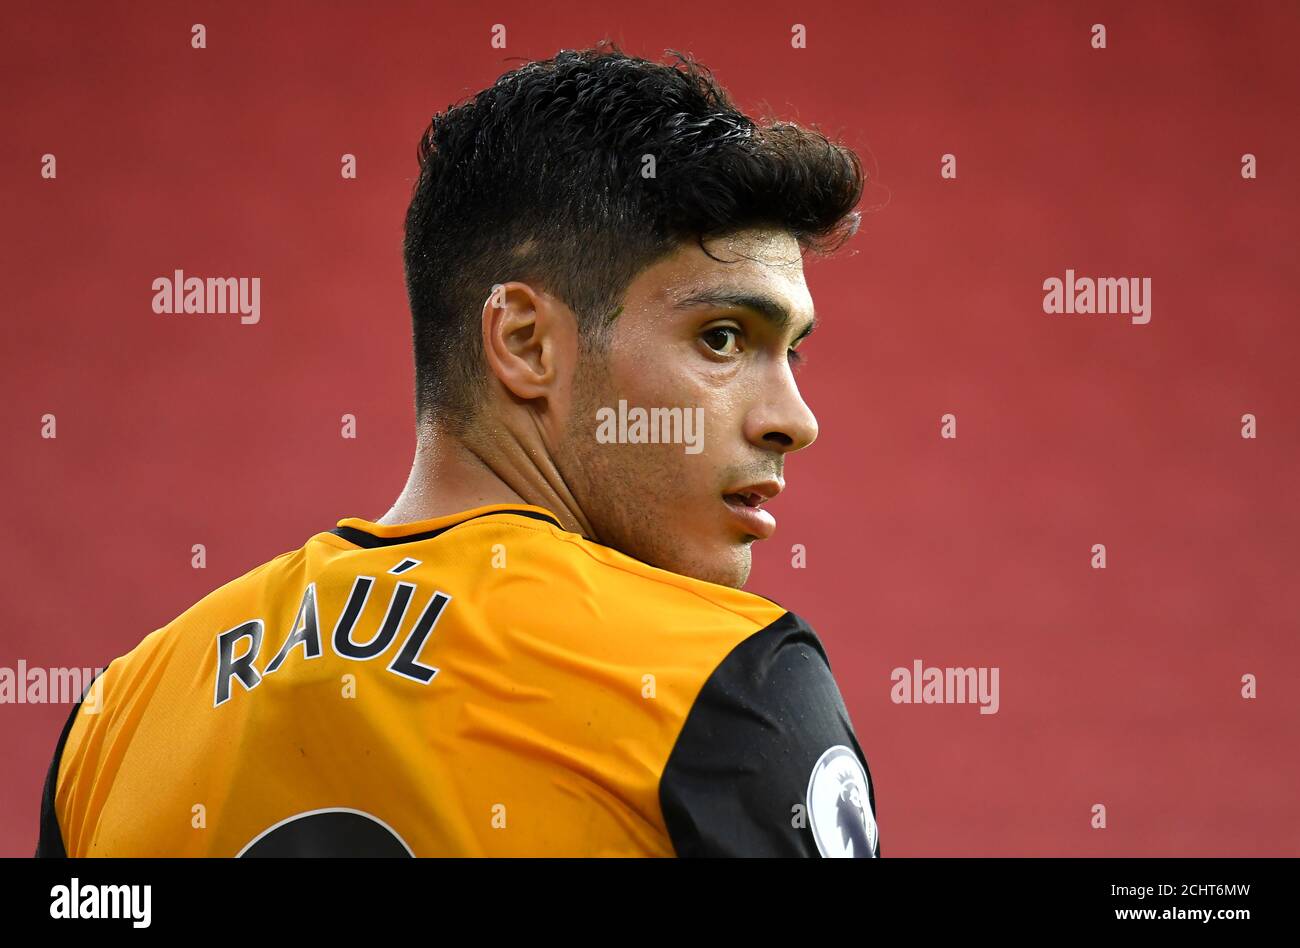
[
  {"x": 727, "y": 566},
  {"x": 725, "y": 562}
]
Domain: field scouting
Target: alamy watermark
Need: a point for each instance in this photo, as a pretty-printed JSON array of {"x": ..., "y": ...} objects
[
  {"x": 75, "y": 900},
  {"x": 921, "y": 685},
  {"x": 36, "y": 685},
  {"x": 1102, "y": 296},
  {"x": 215, "y": 295},
  {"x": 684, "y": 426}
]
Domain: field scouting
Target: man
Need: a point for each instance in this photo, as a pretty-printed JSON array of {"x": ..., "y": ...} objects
[{"x": 543, "y": 647}]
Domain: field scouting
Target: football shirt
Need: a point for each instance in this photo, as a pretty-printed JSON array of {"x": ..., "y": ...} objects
[{"x": 481, "y": 684}]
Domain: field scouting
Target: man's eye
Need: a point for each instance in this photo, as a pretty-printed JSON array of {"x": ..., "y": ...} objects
[
  {"x": 718, "y": 338},
  {"x": 794, "y": 356}
]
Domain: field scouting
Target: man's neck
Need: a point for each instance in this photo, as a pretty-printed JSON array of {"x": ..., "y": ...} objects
[{"x": 449, "y": 476}]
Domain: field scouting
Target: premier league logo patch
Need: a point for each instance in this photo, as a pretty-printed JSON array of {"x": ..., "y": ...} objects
[{"x": 839, "y": 805}]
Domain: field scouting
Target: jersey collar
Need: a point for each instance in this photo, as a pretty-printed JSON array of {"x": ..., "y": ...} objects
[{"x": 367, "y": 533}]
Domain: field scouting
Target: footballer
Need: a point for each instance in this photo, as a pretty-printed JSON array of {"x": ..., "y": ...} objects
[{"x": 544, "y": 647}]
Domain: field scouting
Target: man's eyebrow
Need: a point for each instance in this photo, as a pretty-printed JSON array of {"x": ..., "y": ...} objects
[{"x": 772, "y": 310}]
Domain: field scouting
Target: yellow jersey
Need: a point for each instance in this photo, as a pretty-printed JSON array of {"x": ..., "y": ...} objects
[{"x": 481, "y": 684}]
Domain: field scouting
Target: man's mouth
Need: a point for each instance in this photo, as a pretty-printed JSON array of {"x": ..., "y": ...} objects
[{"x": 746, "y": 506}]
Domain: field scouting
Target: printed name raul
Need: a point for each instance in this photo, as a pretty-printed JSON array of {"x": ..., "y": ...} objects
[{"x": 246, "y": 639}]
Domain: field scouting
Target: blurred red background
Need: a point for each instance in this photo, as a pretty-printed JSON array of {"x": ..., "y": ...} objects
[{"x": 1118, "y": 686}]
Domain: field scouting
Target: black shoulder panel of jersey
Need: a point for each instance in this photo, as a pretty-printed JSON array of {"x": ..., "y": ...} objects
[
  {"x": 740, "y": 778},
  {"x": 50, "y": 842}
]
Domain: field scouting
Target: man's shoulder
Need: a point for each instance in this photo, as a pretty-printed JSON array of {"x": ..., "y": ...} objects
[
  {"x": 767, "y": 762},
  {"x": 230, "y": 601}
]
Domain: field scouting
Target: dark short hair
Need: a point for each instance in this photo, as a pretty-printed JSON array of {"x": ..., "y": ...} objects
[{"x": 539, "y": 178}]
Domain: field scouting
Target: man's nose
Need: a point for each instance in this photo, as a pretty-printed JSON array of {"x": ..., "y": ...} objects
[{"x": 782, "y": 420}]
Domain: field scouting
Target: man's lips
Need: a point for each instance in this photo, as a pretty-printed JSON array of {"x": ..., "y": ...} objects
[{"x": 745, "y": 505}]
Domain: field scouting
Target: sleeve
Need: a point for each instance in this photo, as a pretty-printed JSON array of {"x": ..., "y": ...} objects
[{"x": 767, "y": 763}]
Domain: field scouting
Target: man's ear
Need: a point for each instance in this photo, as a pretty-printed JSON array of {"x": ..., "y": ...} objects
[{"x": 528, "y": 337}]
